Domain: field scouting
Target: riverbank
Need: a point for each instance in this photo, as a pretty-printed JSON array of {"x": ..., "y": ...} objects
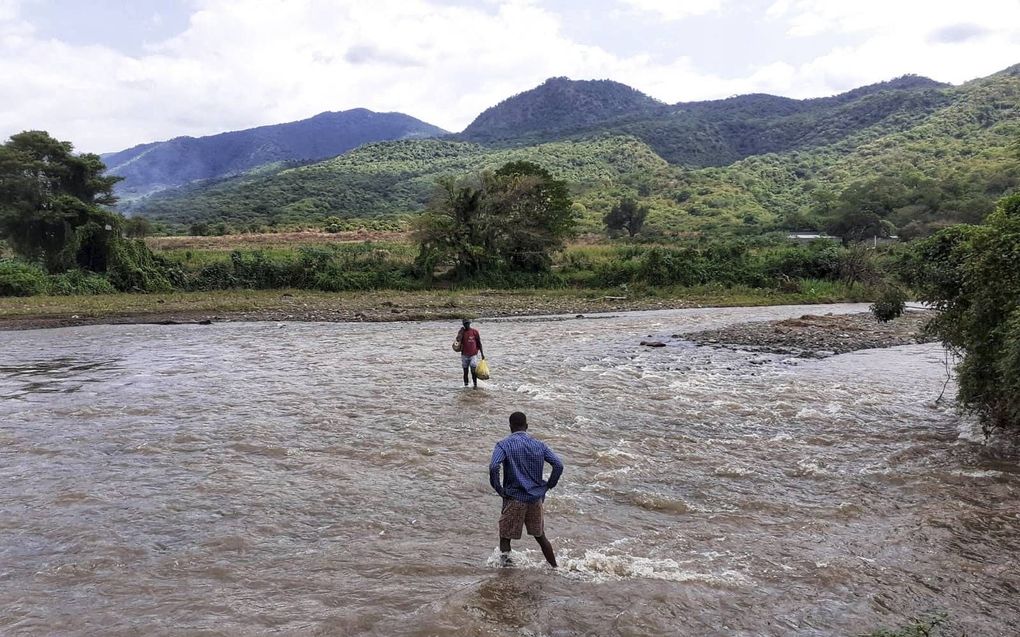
[
  {"x": 817, "y": 336},
  {"x": 40, "y": 312}
]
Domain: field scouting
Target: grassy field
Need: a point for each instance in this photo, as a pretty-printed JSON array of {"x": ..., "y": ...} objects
[{"x": 293, "y": 239}]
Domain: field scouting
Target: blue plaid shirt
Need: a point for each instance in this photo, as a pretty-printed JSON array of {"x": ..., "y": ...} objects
[{"x": 523, "y": 458}]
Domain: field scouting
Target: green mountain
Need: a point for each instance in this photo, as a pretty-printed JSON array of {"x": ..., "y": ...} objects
[
  {"x": 392, "y": 178},
  {"x": 149, "y": 168},
  {"x": 919, "y": 152},
  {"x": 560, "y": 106}
]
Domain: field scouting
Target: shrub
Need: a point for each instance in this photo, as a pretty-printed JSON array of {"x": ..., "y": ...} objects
[
  {"x": 75, "y": 282},
  {"x": 891, "y": 302},
  {"x": 132, "y": 267},
  {"x": 970, "y": 274},
  {"x": 21, "y": 279}
]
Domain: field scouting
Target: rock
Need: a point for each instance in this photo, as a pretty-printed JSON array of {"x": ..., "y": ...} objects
[{"x": 653, "y": 343}]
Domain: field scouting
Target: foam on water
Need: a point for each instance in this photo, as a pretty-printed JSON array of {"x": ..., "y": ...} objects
[{"x": 599, "y": 565}]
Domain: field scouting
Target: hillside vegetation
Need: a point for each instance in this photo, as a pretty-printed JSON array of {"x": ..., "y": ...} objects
[
  {"x": 917, "y": 153},
  {"x": 152, "y": 167}
]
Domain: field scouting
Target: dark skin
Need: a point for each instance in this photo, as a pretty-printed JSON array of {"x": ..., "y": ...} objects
[
  {"x": 543, "y": 542},
  {"x": 474, "y": 377}
]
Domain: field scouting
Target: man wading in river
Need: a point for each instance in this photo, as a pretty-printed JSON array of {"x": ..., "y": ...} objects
[
  {"x": 469, "y": 344},
  {"x": 523, "y": 490}
]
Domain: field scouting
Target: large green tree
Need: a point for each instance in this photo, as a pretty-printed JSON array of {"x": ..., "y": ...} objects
[
  {"x": 971, "y": 275},
  {"x": 627, "y": 215},
  {"x": 51, "y": 202},
  {"x": 514, "y": 219}
]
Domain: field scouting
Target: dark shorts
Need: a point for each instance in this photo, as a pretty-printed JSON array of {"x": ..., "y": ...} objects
[{"x": 517, "y": 515}]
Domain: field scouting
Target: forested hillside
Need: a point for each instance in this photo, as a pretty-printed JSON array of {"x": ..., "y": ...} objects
[
  {"x": 152, "y": 167},
  {"x": 559, "y": 106},
  {"x": 392, "y": 178},
  {"x": 911, "y": 152}
]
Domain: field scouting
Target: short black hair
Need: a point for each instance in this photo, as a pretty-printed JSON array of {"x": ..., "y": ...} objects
[
  {"x": 518, "y": 421},
  {"x": 466, "y": 322}
]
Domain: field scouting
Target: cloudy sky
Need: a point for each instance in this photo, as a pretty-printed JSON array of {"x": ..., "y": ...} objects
[{"x": 109, "y": 74}]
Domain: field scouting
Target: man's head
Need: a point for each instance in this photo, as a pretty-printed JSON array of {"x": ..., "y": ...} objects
[
  {"x": 518, "y": 422},
  {"x": 467, "y": 323}
]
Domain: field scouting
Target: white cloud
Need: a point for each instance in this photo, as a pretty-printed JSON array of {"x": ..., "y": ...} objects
[
  {"x": 243, "y": 63},
  {"x": 947, "y": 41},
  {"x": 675, "y": 9}
]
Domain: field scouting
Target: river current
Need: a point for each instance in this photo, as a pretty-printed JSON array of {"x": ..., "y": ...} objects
[{"x": 331, "y": 479}]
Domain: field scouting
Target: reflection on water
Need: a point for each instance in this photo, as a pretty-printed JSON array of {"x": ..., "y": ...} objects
[{"x": 331, "y": 479}]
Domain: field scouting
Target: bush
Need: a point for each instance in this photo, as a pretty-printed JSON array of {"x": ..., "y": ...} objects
[
  {"x": 76, "y": 282},
  {"x": 891, "y": 302},
  {"x": 970, "y": 275},
  {"x": 132, "y": 267},
  {"x": 21, "y": 279}
]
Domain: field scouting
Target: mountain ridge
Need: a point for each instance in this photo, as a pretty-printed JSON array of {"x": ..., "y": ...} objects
[
  {"x": 155, "y": 166},
  {"x": 747, "y": 162}
]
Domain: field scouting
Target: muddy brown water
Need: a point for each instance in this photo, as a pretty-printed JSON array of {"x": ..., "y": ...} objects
[{"x": 331, "y": 479}]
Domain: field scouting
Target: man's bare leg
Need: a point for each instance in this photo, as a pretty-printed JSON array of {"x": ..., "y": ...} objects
[{"x": 547, "y": 549}]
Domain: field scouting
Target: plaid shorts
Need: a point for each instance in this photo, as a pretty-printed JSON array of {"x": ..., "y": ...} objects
[
  {"x": 516, "y": 515},
  {"x": 468, "y": 361}
]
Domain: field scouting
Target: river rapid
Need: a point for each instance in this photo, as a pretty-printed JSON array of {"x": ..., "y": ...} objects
[{"x": 331, "y": 479}]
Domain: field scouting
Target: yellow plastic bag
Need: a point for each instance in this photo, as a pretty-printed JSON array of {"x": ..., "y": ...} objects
[{"x": 482, "y": 370}]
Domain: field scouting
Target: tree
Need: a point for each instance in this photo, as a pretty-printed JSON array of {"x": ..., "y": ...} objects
[
  {"x": 531, "y": 215},
  {"x": 864, "y": 207},
  {"x": 138, "y": 227},
  {"x": 626, "y": 215},
  {"x": 970, "y": 274},
  {"x": 513, "y": 219},
  {"x": 48, "y": 196}
]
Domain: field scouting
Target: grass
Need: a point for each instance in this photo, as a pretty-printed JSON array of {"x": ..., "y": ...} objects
[{"x": 298, "y": 238}]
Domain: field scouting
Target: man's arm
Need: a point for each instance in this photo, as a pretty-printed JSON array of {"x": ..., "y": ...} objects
[
  {"x": 480, "y": 350},
  {"x": 557, "y": 467},
  {"x": 497, "y": 461}
]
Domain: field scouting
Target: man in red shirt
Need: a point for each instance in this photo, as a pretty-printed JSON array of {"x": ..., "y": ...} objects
[{"x": 470, "y": 350}]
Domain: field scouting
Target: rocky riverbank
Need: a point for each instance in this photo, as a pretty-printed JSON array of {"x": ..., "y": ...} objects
[
  {"x": 814, "y": 336},
  {"x": 233, "y": 306}
]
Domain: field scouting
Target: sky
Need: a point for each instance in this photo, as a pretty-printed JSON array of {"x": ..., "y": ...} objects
[{"x": 110, "y": 74}]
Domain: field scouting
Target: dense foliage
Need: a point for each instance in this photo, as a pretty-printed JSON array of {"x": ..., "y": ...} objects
[
  {"x": 52, "y": 214},
  {"x": 50, "y": 202},
  {"x": 907, "y": 157},
  {"x": 971, "y": 275},
  {"x": 560, "y": 105},
  {"x": 512, "y": 219},
  {"x": 152, "y": 167},
  {"x": 627, "y": 216}
]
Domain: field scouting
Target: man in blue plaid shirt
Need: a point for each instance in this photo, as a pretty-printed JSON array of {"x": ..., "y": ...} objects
[{"x": 523, "y": 490}]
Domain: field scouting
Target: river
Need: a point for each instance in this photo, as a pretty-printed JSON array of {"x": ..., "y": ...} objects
[{"x": 331, "y": 479}]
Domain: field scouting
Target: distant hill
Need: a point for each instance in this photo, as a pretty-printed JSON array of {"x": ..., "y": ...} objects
[
  {"x": 148, "y": 168},
  {"x": 932, "y": 153},
  {"x": 706, "y": 133},
  {"x": 560, "y": 105},
  {"x": 390, "y": 178}
]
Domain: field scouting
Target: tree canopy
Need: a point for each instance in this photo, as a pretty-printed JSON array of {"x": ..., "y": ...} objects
[
  {"x": 513, "y": 219},
  {"x": 971, "y": 274},
  {"x": 51, "y": 199},
  {"x": 627, "y": 216}
]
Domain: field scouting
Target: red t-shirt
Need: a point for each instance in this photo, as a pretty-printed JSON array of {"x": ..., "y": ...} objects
[{"x": 469, "y": 340}]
